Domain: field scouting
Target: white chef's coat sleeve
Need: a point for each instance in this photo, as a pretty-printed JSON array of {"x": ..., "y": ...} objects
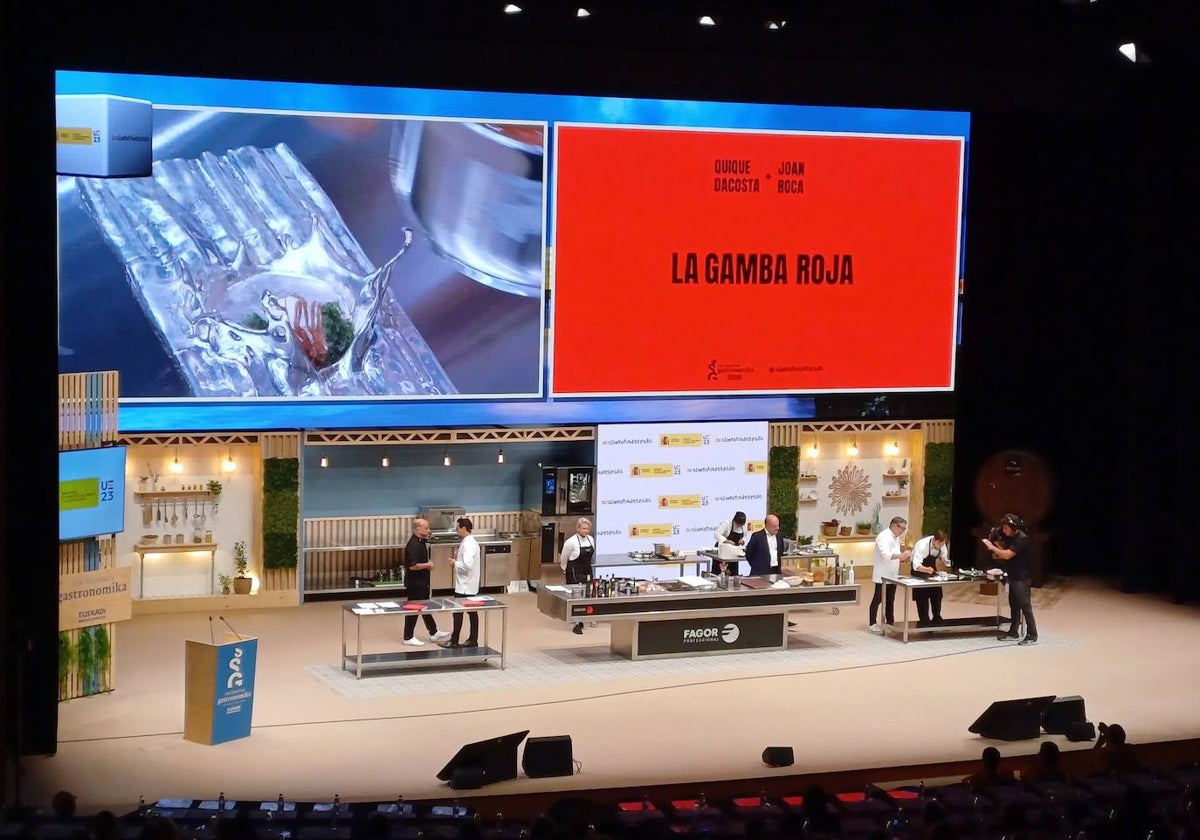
[
  {"x": 722, "y": 533},
  {"x": 570, "y": 551}
]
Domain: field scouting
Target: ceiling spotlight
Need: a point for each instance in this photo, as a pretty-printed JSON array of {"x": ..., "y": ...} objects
[
  {"x": 512, "y": 9},
  {"x": 706, "y": 20},
  {"x": 776, "y": 24},
  {"x": 582, "y": 12},
  {"x": 385, "y": 461},
  {"x": 1134, "y": 53}
]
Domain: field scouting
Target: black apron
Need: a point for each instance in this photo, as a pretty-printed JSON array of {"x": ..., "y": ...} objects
[
  {"x": 931, "y": 561},
  {"x": 579, "y": 570}
]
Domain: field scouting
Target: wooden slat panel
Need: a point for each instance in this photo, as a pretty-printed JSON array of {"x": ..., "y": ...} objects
[{"x": 281, "y": 445}]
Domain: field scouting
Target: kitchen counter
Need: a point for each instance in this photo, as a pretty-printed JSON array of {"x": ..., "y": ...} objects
[{"x": 691, "y": 622}]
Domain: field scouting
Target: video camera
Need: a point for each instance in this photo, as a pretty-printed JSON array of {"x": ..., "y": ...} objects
[{"x": 1015, "y": 522}]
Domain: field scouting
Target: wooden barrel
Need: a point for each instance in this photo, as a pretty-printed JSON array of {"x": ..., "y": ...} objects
[{"x": 1014, "y": 482}]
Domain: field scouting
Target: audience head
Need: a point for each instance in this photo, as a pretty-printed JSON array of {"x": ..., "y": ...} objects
[
  {"x": 63, "y": 804},
  {"x": 1048, "y": 754},
  {"x": 991, "y": 758}
]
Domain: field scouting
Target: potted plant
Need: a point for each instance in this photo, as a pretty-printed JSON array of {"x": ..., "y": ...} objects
[
  {"x": 214, "y": 489},
  {"x": 863, "y": 528},
  {"x": 830, "y": 528},
  {"x": 902, "y": 484},
  {"x": 804, "y": 540},
  {"x": 226, "y": 583},
  {"x": 241, "y": 583}
]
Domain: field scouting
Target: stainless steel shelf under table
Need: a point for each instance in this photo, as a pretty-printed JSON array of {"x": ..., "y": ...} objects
[
  {"x": 909, "y": 585},
  {"x": 429, "y": 654}
]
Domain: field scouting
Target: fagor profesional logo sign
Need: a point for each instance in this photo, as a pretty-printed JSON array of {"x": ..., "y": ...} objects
[{"x": 728, "y": 634}]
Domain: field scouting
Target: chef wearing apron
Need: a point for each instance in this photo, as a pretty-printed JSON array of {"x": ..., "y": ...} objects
[
  {"x": 576, "y": 559},
  {"x": 732, "y": 531},
  {"x": 926, "y": 554}
]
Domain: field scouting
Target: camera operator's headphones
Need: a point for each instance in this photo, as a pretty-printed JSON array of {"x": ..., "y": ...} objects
[{"x": 1013, "y": 521}]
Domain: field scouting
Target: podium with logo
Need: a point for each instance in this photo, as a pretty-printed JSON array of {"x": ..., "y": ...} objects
[{"x": 218, "y": 690}]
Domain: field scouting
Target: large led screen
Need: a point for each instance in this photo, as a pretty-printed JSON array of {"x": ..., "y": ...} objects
[
  {"x": 755, "y": 262},
  {"x": 262, "y": 255}
]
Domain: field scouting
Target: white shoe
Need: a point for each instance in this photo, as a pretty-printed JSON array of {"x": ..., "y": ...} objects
[
  {"x": 440, "y": 635},
  {"x": 875, "y": 628},
  {"x": 414, "y": 642}
]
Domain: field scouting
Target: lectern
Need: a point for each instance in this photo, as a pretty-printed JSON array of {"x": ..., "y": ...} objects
[{"x": 218, "y": 690}]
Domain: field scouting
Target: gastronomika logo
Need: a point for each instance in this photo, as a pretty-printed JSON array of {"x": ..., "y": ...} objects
[
  {"x": 652, "y": 530},
  {"x": 653, "y": 470},
  {"x": 677, "y": 502},
  {"x": 698, "y": 635},
  {"x": 756, "y": 467},
  {"x": 236, "y": 678}
]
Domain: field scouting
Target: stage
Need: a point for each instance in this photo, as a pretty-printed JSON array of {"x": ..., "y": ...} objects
[{"x": 843, "y": 698}]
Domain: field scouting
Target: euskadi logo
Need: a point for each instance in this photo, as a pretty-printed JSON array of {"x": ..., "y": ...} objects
[{"x": 235, "y": 670}]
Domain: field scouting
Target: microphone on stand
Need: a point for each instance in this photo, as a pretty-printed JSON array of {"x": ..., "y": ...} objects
[
  {"x": 230, "y": 626},
  {"x": 212, "y": 638}
]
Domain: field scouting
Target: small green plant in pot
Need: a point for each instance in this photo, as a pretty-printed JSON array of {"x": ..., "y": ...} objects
[
  {"x": 862, "y": 527},
  {"x": 226, "y": 583},
  {"x": 241, "y": 583}
]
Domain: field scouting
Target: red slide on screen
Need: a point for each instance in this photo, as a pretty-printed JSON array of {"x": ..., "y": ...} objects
[{"x": 693, "y": 261}]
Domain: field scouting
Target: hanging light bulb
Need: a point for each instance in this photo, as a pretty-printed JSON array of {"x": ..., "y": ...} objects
[
  {"x": 324, "y": 460},
  {"x": 385, "y": 461},
  {"x": 176, "y": 467},
  {"x": 446, "y": 458},
  {"x": 852, "y": 449},
  {"x": 500, "y": 456},
  {"x": 813, "y": 450},
  {"x": 892, "y": 449},
  {"x": 229, "y": 465}
]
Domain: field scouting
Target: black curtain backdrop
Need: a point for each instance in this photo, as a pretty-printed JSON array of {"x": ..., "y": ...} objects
[{"x": 1073, "y": 335}]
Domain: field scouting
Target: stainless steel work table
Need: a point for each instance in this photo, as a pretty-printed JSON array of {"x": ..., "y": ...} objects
[
  {"x": 429, "y": 654},
  {"x": 624, "y": 561},
  {"x": 909, "y": 585},
  {"x": 694, "y": 622}
]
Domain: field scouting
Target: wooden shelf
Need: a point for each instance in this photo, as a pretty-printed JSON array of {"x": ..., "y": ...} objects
[
  {"x": 895, "y": 475},
  {"x": 173, "y": 548},
  {"x": 851, "y": 538},
  {"x": 379, "y": 547},
  {"x": 807, "y": 501},
  {"x": 807, "y": 477},
  {"x": 886, "y": 497},
  {"x": 150, "y": 495}
]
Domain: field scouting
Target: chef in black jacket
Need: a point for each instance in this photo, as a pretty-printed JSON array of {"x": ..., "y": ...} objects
[
  {"x": 765, "y": 548},
  {"x": 416, "y": 582}
]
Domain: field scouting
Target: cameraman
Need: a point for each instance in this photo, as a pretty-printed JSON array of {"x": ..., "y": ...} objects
[{"x": 1011, "y": 544}]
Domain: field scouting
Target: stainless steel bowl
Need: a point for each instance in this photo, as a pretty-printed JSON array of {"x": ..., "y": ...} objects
[{"x": 476, "y": 189}]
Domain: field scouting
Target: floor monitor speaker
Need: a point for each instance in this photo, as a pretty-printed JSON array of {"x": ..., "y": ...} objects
[
  {"x": 483, "y": 762},
  {"x": 548, "y": 756},
  {"x": 778, "y": 757},
  {"x": 1013, "y": 720},
  {"x": 1064, "y": 712}
]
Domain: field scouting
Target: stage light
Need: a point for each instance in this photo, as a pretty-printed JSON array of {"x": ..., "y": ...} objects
[
  {"x": 1129, "y": 51},
  {"x": 175, "y": 467},
  {"x": 776, "y": 24},
  {"x": 706, "y": 20},
  {"x": 446, "y": 458},
  {"x": 582, "y": 12},
  {"x": 512, "y": 9},
  {"x": 385, "y": 461},
  {"x": 500, "y": 457}
]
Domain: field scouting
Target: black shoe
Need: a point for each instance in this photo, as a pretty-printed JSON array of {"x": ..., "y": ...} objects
[
  {"x": 452, "y": 645},
  {"x": 922, "y": 622},
  {"x": 577, "y": 629},
  {"x": 471, "y": 643},
  {"x": 1028, "y": 640},
  {"x": 1007, "y": 637}
]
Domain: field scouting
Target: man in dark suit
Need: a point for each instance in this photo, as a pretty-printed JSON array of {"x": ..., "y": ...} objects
[{"x": 765, "y": 548}]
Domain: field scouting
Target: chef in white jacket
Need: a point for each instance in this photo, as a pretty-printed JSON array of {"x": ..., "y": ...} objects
[
  {"x": 466, "y": 583},
  {"x": 888, "y": 555}
]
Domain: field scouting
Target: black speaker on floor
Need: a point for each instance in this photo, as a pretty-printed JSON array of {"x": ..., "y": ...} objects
[
  {"x": 778, "y": 757},
  {"x": 1064, "y": 712},
  {"x": 483, "y": 762},
  {"x": 1013, "y": 720},
  {"x": 1081, "y": 731},
  {"x": 548, "y": 756}
]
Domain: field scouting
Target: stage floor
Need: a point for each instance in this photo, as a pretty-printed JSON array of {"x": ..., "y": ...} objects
[{"x": 843, "y": 698}]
